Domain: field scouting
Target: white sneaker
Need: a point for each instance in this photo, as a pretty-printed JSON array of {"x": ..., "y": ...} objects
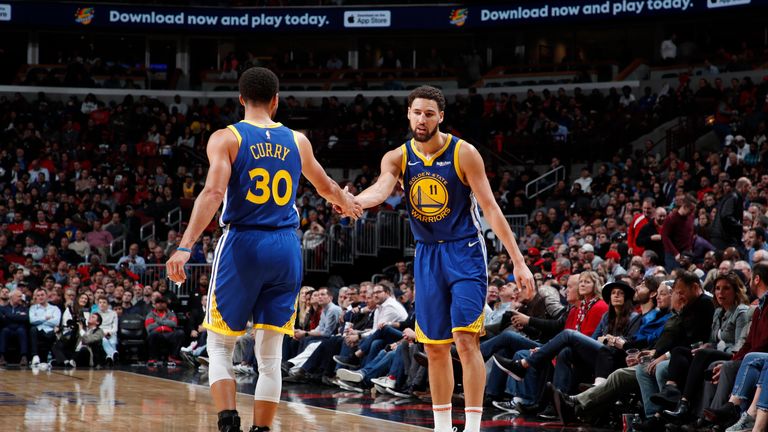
[
  {"x": 44, "y": 367},
  {"x": 35, "y": 361},
  {"x": 348, "y": 375},
  {"x": 72, "y": 363},
  {"x": 384, "y": 381}
]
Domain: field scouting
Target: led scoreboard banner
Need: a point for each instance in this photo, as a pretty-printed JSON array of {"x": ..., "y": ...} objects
[{"x": 419, "y": 17}]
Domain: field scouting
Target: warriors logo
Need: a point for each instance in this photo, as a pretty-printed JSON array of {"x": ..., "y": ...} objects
[{"x": 429, "y": 198}]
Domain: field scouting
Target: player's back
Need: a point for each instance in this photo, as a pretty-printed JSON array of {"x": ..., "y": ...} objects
[{"x": 261, "y": 192}]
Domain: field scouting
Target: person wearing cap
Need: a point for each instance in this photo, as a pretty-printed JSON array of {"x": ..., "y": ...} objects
[
  {"x": 614, "y": 269},
  {"x": 163, "y": 333},
  {"x": 588, "y": 252}
]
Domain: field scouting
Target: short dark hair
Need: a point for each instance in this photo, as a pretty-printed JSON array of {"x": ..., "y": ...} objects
[
  {"x": 761, "y": 270},
  {"x": 759, "y": 232},
  {"x": 98, "y": 317},
  {"x": 688, "y": 279},
  {"x": 258, "y": 84},
  {"x": 427, "y": 92}
]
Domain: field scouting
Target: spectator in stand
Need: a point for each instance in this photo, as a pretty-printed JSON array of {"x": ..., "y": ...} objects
[
  {"x": 109, "y": 325},
  {"x": 80, "y": 246},
  {"x": 637, "y": 224},
  {"x": 43, "y": 320},
  {"x": 754, "y": 241},
  {"x": 136, "y": 263},
  {"x": 115, "y": 226},
  {"x": 15, "y": 318},
  {"x": 163, "y": 334},
  {"x": 585, "y": 181},
  {"x": 99, "y": 239},
  {"x": 727, "y": 227},
  {"x": 677, "y": 232},
  {"x": 669, "y": 49}
]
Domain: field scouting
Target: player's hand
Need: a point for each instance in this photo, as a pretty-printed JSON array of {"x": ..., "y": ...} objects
[
  {"x": 524, "y": 277},
  {"x": 174, "y": 268},
  {"x": 350, "y": 207}
]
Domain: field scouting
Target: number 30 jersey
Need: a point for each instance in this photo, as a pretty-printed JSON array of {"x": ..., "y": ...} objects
[
  {"x": 261, "y": 192},
  {"x": 441, "y": 206}
]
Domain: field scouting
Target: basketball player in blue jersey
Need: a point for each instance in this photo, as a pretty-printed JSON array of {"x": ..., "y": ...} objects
[
  {"x": 444, "y": 181},
  {"x": 255, "y": 167}
]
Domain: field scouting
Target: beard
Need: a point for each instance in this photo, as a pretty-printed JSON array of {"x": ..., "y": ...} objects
[{"x": 421, "y": 136}]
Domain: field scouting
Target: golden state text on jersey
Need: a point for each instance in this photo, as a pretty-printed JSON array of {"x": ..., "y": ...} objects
[{"x": 440, "y": 203}]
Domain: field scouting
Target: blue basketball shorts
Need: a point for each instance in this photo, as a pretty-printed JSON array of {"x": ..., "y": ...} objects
[
  {"x": 256, "y": 275},
  {"x": 451, "y": 280}
]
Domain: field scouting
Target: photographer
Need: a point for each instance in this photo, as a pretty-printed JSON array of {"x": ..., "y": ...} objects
[{"x": 83, "y": 345}]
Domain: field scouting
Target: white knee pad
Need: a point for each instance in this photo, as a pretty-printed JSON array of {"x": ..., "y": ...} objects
[
  {"x": 220, "y": 348},
  {"x": 269, "y": 353}
]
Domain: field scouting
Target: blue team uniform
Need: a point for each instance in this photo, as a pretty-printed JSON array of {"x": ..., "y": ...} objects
[
  {"x": 257, "y": 262},
  {"x": 450, "y": 272}
]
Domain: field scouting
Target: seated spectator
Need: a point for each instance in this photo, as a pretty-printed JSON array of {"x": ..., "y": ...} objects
[
  {"x": 163, "y": 335},
  {"x": 133, "y": 260},
  {"x": 43, "y": 320},
  {"x": 99, "y": 238},
  {"x": 109, "y": 326},
  {"x": 15, "y": 316},
  {"x": 83, "y": 347}
]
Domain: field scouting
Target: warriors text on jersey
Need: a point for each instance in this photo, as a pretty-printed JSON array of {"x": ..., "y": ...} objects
[{"x": 440, "y": 204}]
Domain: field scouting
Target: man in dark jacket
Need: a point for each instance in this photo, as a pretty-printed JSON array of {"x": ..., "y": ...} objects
[
  {"x": 15, "y": 316},
  {"x": 727, "y": 226}
]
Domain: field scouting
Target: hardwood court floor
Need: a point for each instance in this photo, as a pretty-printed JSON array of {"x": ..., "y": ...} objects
[
  {"x": 118, "y": 401},
  {"x": 138, "y": 399}
]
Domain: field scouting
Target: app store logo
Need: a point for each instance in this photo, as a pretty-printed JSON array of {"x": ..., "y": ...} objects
[
  {"x": 5, "y": 12},
  {"x": 726, "y": 3},
  {"x": 367, "y": 18}
]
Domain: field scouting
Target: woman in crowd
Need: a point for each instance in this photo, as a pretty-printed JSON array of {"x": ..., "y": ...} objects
[{"x": 687, "y": 365}]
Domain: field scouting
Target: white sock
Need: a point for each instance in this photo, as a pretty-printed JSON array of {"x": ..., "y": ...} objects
[
  {"x": 442, "y": 414},
  {"x": 473, "y": 416},
  {"x": 600, "y": 380}
]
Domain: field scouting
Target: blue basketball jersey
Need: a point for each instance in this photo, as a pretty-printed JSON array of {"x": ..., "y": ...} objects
[
  {"x": 440, "y": 205},
  {"x": 265, "y": 175}
]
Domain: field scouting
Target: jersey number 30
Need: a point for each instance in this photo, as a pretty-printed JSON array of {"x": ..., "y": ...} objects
[{"x": 264, "y": 190}]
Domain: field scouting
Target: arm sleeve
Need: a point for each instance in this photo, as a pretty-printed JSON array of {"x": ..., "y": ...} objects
[{"x": 36, "y": 316}]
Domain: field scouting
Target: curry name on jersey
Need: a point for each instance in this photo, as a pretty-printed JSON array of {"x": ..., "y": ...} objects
[{"x": 261, "y": 192}]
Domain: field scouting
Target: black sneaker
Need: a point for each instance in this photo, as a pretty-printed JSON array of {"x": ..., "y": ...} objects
[
  {"x": 229, "y": 421},
  {"x": 549, "y": 413},
  {"x": 508, "y": 406},
  {"x": 285, "y": 367},
  {"x": 668, "y": 398},
  {"x": 651, "y": 424},
  {"x": 513, "y": 368},
  {"x": 348, "y": 361},
  {"x": 725, "y": 416},
  {"x": 565, "y": 407}
]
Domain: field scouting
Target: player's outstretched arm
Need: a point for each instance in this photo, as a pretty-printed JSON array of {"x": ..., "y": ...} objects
[
  {"x": 474, "y": 172},
  {"x": 391, "y": 169},
  {"x": 326, "y": 187},
  {"x": 209, "y": 200}
]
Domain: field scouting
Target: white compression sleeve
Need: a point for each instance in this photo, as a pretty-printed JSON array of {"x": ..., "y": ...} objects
[
  {"x": 269, "y": 353},
  {"x": 220, "y": 348}
]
